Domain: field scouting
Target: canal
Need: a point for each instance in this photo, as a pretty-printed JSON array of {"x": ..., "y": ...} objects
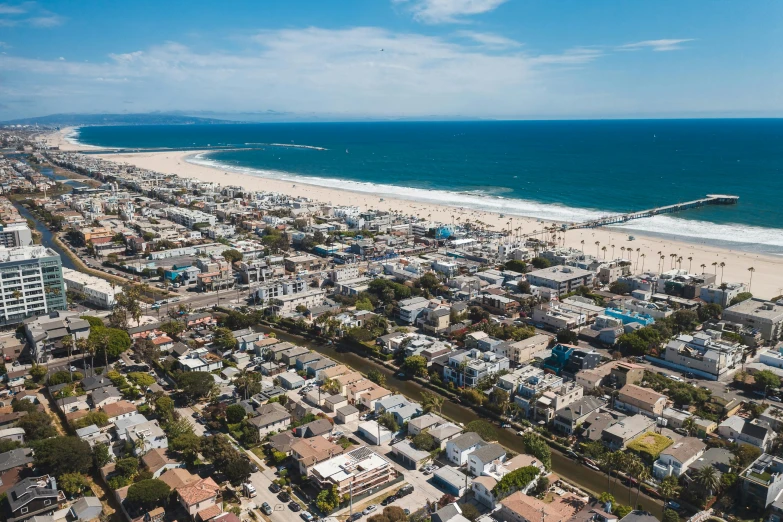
[
  {"x": 563, "y": 466},
  {"x": 46, "y": 236}
]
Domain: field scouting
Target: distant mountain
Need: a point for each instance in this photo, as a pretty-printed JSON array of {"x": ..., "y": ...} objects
[{"x": 155, "y": 118}]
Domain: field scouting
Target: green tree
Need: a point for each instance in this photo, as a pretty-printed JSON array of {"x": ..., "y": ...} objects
[
  {"x": 141, "y": 379},
  {"x": 188, "y": 445},
  {"x": 424, "y": 441},
  {"x": 484, "y": 429},
  {"x": 669, "y": 515},
  {"x": 469, "y": 511},
  {"x": 164, "y": 407},
  {"x": 566, "y": 336},
  {"x": 708, "y": 481},
  {"x": 97, "y": 418},
  {"x": 59, "y": 455},
  {"x": 235, "y": 413},
  {"x": 619, "y": 288},
  {"x": 415, "y": 365},
  {"x": 742, "y": 296},
  {"x": 429, "y": 281},
  {"x": 622, "y": 510},
  {"x": 148, "y": 493},
  {"x": 536, "y": 446},
  {"x": 173, "y": 328},
  {"x": 100, "y": 455},
  {"x": 540, "y": 262},
  {"x": 524, "y": 287},
  {"x": 38, "y": 372},
  {"x": 328, "y": 500},
  {"x": 516, "y": 266},
  {"x": 72, "y": 483},
  {"x": 765, "y": 378},
  {"x": 37, "y": 425},
  {"x": 127, "y": 467},
  {"x": 195, "y": 384},
  {"x": 710, "y": 312},
  {"x": 232, "y": 255},
  {"x": 364, "y": 304},
  {"x": 514, "y": 481},
  {"x": 388, "y": 421},
  {"x": 377, "y": 377},
  {"x": 224, "y": 339}
]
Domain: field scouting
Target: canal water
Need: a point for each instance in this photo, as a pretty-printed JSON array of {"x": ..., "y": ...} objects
[
  {"x": 49, "y": 173},
  {"x": 562, "y": 466},
  {"x": 46, "y": 236}
]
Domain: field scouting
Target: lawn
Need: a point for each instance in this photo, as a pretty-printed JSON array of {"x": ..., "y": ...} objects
[{"x": 650, "y": 443}]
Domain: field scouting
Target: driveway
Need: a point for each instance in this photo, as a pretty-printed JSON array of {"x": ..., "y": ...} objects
[{"x": 187, "y": 413}]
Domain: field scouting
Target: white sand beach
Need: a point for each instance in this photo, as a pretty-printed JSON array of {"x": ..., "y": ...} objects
[{"x": 645, "y": 251}]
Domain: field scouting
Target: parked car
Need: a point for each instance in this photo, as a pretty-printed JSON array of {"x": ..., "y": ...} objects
[
  {"x": 294, "y": 506},
  {"x": 672, "y": 505},
  {"x": 369, "y": 509},
  {"x": 388, "y": 500},
  {"x": 405, "y": 490},
  {"x": 356, "y": 516},
  {"x": 284, "y": 497},
  {"x": 306, "y": 516},
  {"x": 266, "y": 508}
]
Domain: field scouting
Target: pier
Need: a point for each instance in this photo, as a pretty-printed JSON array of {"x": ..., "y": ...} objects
[{"x": 710, "y": 199}]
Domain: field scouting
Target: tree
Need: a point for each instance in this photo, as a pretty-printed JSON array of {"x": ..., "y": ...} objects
[
  {"x": 328, "y": 500},
  {"x": 709, "y": 312},
  {"x": 224, "y": 339},
  {"x": 237, "y": 469},
  {"x": 235, "y": 413},
  {"x": 364, "y": 304},
  {"x": 388, "y": 421},
  {"x": 523, "y": 287},
  {"x": 744, "y": 454},
  {"x": 707, "y": 478},
  {"x": 484, "y": 429},
  {"x": 432, "y": 401},
  {"x": 669, "y": 489},
  {"x": 514, "y": 481},
  {"x": 429, "y": 281},
  {"x": 622, "y": 510},
  {"x": 536, "y": 446},
  {"x": 98, "y": 418},
  {"x": 72, "y": 483},
  {"x": 232, "y": 255},
  {"x": 148, "y": 493},
  {"x": 38, "y": 372},
  {"x": 765, "y": 378},
  {"x": 141, "y": 379},
  {"x": 540, "y": 262},
  {"x": 415, "y": 365},
  {"x": 689, "y": 425},
  {"x": 100, "y": 455},
  {"x": 187, "y": 444},
  {"x": 127, "y": 467},
  {"x": 605, "y": 498},
  {"x": 37, "y": 425},
  {"x": 516, "y": 266},
  {"x": 424, "y": 441},
  {"x": 23, "y": 405},
  {"x": 469, "y": 511},
  {"x": 196, "y": 384},
  {"x": 685, "y": 320},
  {"x": 164, "y": 407},
  {"x": 566, "y": 336},
  {"x": 377, "y": 377},
  {"x": 619, "y": 288},
  {"x": 59, "y": 455},
  {"x": 172, "y": 328},
  {"x": 669, "y": 515},
  {"x": 742, "y": 296}
]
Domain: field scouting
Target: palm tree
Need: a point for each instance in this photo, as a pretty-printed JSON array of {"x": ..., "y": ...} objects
[
  {"x": 638, "y": 250},
  {"x": 82, "y": 345},
  {"x": 715, "y": 266},
  {"x": 703, "y": 267},
  {"x": 622, "y": 251},
  {"x": 612, "y": 252},
  {"x": 642, "y": 474},
  {"x": 708, "y": 479},
  {"x": 597, "y": 244},
  {"x": 91, "y": 349},
  {"x": 689, "y": 425},
  {"x": 690, "y": 263},
  {"x": 603, "y": 249},
  {"x": 668, "y": 489},
  {"x": 643, "y": 256},
  {"x": 663, "y": 257},
  {"x": 67, "y": 343},
  {"x": 633, "y": 467},
  {"x": 102, "y": 343},
  {"x": 583, "y": 245},
  {"x": 722, "y": 266},
  {"x": 750, "y": 284},
  {"x": 673, "y": 258}
]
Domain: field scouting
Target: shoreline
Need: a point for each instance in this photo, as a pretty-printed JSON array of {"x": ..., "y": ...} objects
[{"x": 767, "y": 278}]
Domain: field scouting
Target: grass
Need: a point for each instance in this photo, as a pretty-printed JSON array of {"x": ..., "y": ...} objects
[
  {"x": 650, "y": 443},
  {"x": 763, "y": 477}
]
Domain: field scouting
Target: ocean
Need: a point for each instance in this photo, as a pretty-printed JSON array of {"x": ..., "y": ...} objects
[{"x": 552, "y": 170}]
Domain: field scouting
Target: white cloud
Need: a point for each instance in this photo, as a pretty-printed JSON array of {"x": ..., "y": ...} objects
[
  {"x": 489, "y": 40},
  {"x": 9, "y": 9},
  {"x": 448, "y": 11},
  {"x": 656, "y": 45},
  {"x": 45, "y": 21},
  {"x": 28, "y": 14}
]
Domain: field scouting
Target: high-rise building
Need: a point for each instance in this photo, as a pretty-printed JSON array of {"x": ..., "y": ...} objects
[
  {"x": 15, "y": 235},
  {"x": 31, "y": 283}
]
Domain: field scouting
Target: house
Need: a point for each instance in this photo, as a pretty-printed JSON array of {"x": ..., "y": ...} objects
[
  {"x": 368, "y": 397},
  {"x": 315, "y": 428},
  {"x": 409, "y": 456},
  {"x": 676, "y": 459},
  {"x": 12, "y": 463},
  {"x": 636, "y": 399},
  {"x": 483, "y": 457},
  {"x": 31, "y": 497},
  {"x": 402, "y": 409},
  {"x": 762, "y": 481},
  {"x": 119, "y": 410},
  {"x": 458, "y": 449},
  {"x": 374, "y": 432},
  {"x": 290, "y": 381},
  {"x": 198, "y": 496},
  {"x": 72, "y": 404},
  {"x": 92, "y": 435},
  {"x": 518, "y": 507},
  {"x": 87, "y": 508},
  {"x": 178, "y": 477},
  {"x": 567, "y": 419},
  {"x": 309, "y": 452},
  {"x": 103, "y": 396},
  {"x": 493, "y": 473},
  {"x": 347, "y": 414},
  {"x": 452, "y": 481},
  {"x": 158, "y": 461},
  {"x": 425, "y": 422},
  {"x": 743, "y": 431},
  {"x": 271, "y": 417},
  {"x": 146, "y": 436},
  {"x": 16, "y": 434},
  {"x": 334, "y": 402},
  {"x": 443, "y": 433},
  {"x": 282, "y": 442},
  {"x": 623, "y": 373},
  {"x": 94, "y": 382},
  {"x": 357, "y": 471},
  {"x": 618, "y": 435},
  {"x": 719, "y": 458},
  {"x": 121, "y": 426}
]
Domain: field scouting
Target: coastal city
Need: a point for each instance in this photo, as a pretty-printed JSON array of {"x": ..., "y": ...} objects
[{"x": 177, "y": 349}]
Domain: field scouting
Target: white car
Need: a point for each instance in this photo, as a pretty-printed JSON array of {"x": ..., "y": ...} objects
[{"x": 369, "y": 509}]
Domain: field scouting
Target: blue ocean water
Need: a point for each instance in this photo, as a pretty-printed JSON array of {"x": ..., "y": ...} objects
[{"x": 553, "y": 170}]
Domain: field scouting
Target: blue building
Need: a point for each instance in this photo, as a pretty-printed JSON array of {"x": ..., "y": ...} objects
[
  {"x": 555, "y": 363},
  {"x": 627, "y": 316}
]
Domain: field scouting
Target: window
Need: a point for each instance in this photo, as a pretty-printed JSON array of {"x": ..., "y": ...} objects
[
  {"x": 47, "y": 502},
  {"x": 23, "y": 510}
]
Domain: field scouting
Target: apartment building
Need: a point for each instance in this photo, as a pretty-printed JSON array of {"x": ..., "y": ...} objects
[
  {"x": 637, "y": 399},
  {"x": 95, "y": 291},
  {"x": 355, "y": 472},
  {"x": 764, "y": 316},
  {"x": 762, "y": 481},
  {"x": 561, "y": 279},
  {"x": 704, "y": 353},
  {"x": 189, "y": 217},
  {"x": 31, "y": 283},
  {"x": 721, "y": 294},
  {"x": 15, "y": 235},
  {"x": 468, "y": 368}
]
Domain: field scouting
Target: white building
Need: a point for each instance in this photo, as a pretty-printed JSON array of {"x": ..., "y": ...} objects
[
  {"x": 188, "y": 217},
  {"x": 96, "y": 291},
  {"x": 561, "y": 279},
  {"x": 702, "y": 352},
  {"x": 31, "y": 283}
]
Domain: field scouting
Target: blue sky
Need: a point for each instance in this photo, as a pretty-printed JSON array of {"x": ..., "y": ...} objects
[{"x": 394, "y": 58}]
